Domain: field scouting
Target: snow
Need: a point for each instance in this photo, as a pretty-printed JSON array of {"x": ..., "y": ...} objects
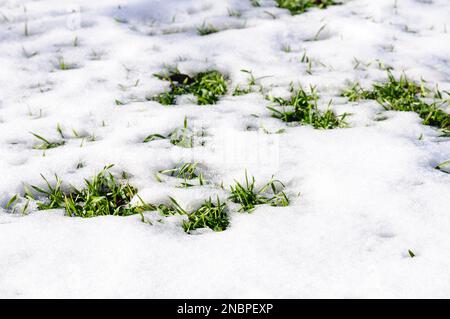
[{"x": 368, "y": 193}]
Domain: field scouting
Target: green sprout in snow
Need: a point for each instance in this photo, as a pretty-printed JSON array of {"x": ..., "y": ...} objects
[
  {"x": 301, "y": 107},
  {"x": 183, "y": 137},
  {"x": 301, "y": 6},
  {"x": 407, "y": 96},
  {"x": 210, "y": 214},
  {"x": 207, "y": 87},
  {"x": 102, "y": 195},
  {"x": 249, "y": 197}
]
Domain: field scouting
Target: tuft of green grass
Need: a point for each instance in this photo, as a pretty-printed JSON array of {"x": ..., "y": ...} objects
[
  {"x": 207, "y": 87},
  {"x": 184, "y": 171},
  {"x": 209, "y": 215},
  {"x": 187, "y": 172},
  {"x": 404, "y": 95},
  {"x": 54, "y": 194},
  {"x": 172, "y": 209},
  {"x": 166, "y": 98},
  {"x": 354, "y": 93},
  {"x": 411, "y": 253},
  {"x": 301, "y": 6},
  {"x": 252, "y": 85},
  {"x": 153, "y": 137},
  {"x": 398, "y": 93},
  {"x": 102, "y": 195},
  {"x": 62, "y": 65},
  {"x": 45, "y": 143},
  {"x": 206, "y": 29},
  {"x": 248, "y": 197},
  {"x": 301, "y": 107},
  {"x": 14, "y": 204},
  {"x": 181, "y": 136}
]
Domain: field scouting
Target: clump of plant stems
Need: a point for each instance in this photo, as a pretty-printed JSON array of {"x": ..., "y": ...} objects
[
  {"x": 210, "y": 214},
  {"x": 105, "y": 194},
  {"x": 187, "y": 172},
  {"x": 102, "y": 195},
  {"x": 207, "y": 87},
  {"x": 407, "y": 96},
  {"x": 183, "y": 136},
  {"x": 301, "y": 6},
  {"x": 302, "y": 107},
  {"x": 206, "y": 29},
  {"x": 250, "y": 87},
  {"x": 272, "y": 193},
  {"x": 45, "y": 144}
]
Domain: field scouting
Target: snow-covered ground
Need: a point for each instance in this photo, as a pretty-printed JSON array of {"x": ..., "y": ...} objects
[{"x": 368, "y": 193}]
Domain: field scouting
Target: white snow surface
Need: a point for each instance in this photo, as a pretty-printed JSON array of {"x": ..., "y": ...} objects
[{"x": 368, "y": 193}]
